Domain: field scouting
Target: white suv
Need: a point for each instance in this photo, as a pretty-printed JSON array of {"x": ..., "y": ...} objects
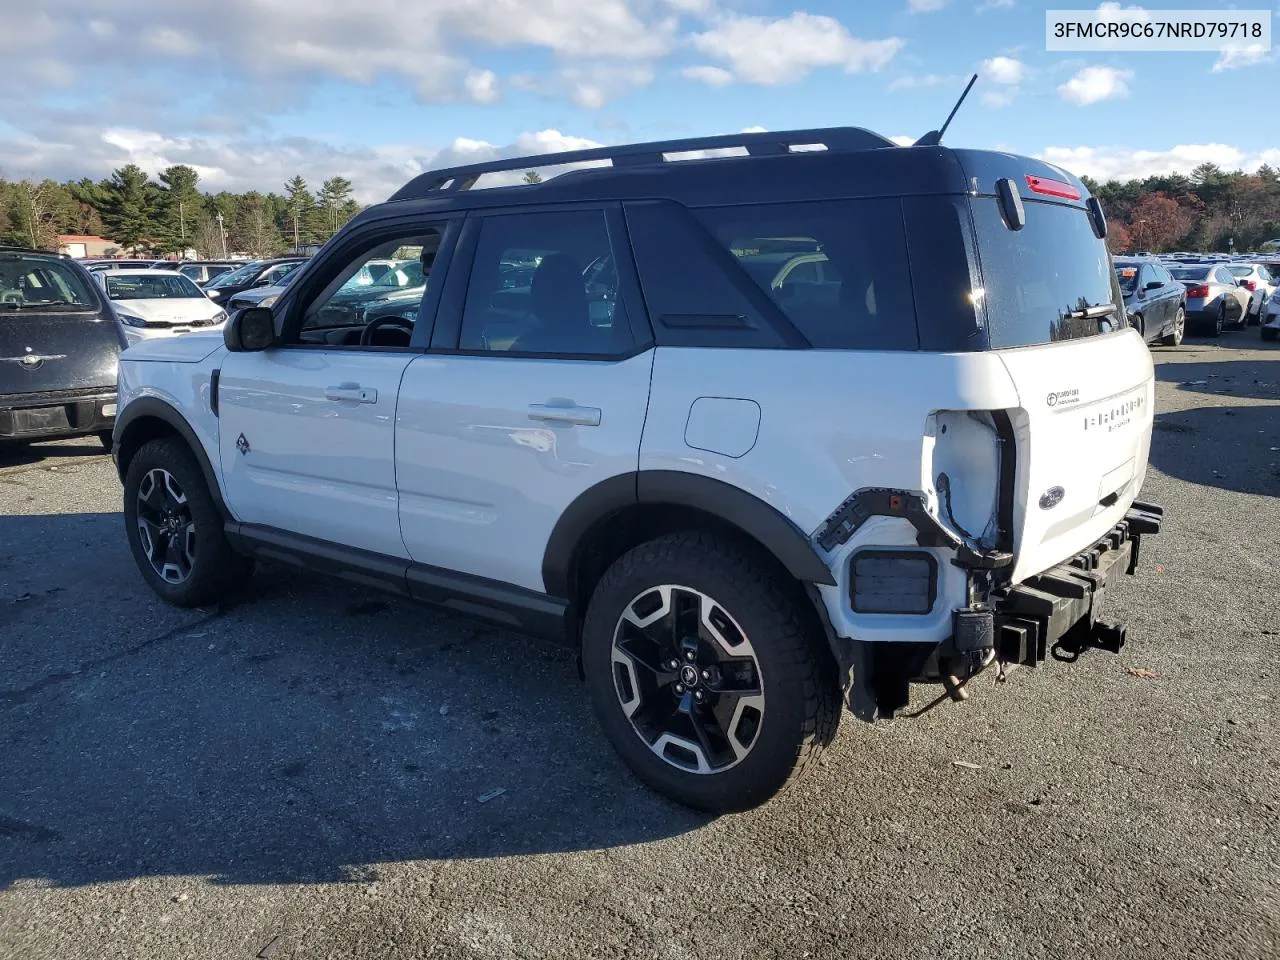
[{"x": 749, "y": 430}]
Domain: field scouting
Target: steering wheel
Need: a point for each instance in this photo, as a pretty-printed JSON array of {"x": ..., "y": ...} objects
[{"x": 376, "y": 324}]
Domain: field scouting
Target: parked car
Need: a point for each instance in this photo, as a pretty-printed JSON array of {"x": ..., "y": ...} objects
[
  {"x": 1259, "y": 281},
  {"x": 1214, "y": 298},
  {"x": 260, "y": 296},
  {"x": 255, "y": 273},
  {"x": 158, "y": 303},
  {"x": 742, "y": 508},
  {"x": 96, "y": 265},
  {"x": 1154, "y": 301},
  {"x": 59, "y": 344},
  {"x": 1270, "y": 321},
  {"x": 201, "y": 272}
]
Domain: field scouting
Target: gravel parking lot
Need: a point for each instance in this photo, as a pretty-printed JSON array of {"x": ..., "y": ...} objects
[{"x": 314, "y": 772}]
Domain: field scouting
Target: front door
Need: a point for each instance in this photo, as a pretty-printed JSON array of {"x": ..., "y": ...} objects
[
  {"x": 535, "y": 391},
  {"x": 307, "y": 429}
]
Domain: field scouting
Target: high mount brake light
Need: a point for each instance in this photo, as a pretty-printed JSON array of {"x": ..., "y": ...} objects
[{"x": 1052, "y": 188}]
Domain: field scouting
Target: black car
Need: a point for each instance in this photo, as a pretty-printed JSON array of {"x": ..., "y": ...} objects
[
  {"x": 59, "y": 346},
  {"x": 1155, "y": 302},
  {"x": 255, "y": 273}
]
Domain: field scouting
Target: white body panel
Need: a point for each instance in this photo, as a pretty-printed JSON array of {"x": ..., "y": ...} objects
[
  {"x": 316, "y": 464},
  {"x": 483, "y": 477}
]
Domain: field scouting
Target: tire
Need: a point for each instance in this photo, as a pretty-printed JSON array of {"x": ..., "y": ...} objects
[
  {"x": 104, "y": 438},
  {"x": 1174, "y": 339},
  {"x": 194, "y": 564},
  {"x": 1269, "y": 333},
  {"x": 1139, "y": 323},
  {"x": 1244, "y": 319},
  {"x": 732, "y": 593},
  {"x": 1219, "y": 322}
]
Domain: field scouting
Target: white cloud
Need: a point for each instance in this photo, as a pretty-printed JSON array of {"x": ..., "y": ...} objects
[
  {"x": 995, "y": 5},
  {"x": 1095, "y": 84},
  {"x": 1003, "y": 70},
  {"x": 756, "y": 129},
  {"x": 1112, "y": 12},
  {"x": 924, "y": 81},
  {"x": 711, "y": 76},
  {"x": 590, "y": 86},
  {"x": 1000, "y": 98},
  {"x": 771, "y": 51},
  {"x": 925, "y": 6},
  {"x": 902, "y": 140},
  {"x": 1250, "y": 55},
  {"x": 1122, "y": 163},
  {"x": 482, "y": 86},
  {"x": 171, "y": 42}
]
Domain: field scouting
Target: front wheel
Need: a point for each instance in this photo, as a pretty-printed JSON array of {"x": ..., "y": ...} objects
[
  {"x": 1138, "y": 323},
  {"x": 704, "y": 673},
  {"x": 1174, "y": 337},
  {"x": 175, "y": 529}
]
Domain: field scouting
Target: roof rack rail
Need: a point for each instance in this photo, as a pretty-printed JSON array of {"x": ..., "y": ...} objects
[
  {"x": 453, "y": 179},
  {"x": 14, "y": 248}
]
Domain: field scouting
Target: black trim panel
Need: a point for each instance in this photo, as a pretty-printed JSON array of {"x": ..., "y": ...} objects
[
  {"x": 731, "y": 504},
  {"x": 511, "y": 606},
  {"x": 150, "y": 407}
]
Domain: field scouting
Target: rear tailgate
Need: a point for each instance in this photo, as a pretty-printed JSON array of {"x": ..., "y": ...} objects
[
  {"x": 1083, "y": 437},
  {"x": 48, "y": 352}
]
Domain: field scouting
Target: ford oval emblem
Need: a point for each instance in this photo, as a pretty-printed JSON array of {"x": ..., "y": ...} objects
[{"x": 1051, "y": 498}]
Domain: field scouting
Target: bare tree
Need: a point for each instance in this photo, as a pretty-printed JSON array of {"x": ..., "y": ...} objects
[
  {"x": 35, "y": 214},
  {"x": 206, "y": 238}
]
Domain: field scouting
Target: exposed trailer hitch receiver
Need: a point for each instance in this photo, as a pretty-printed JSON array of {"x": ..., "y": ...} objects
[{"x": 1102, "y": 636}]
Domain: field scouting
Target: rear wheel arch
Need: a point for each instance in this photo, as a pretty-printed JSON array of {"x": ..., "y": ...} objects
[
  {"x": 149, "y": 418},
  {"x": 618, "y": 514}
]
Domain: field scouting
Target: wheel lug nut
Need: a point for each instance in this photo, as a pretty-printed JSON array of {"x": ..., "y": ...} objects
[
  {"x": 688, "y": 655},
  {"x": 706, "y": 674},
  {"x": 674, "y": 664},
  {"x": 698, "y": 696},
  {"x": 679, "y": 688}
]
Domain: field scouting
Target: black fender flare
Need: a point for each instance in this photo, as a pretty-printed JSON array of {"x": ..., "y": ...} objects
[
  {"x": 155, "y": 409},
  {"x": 735, "y": 506}
]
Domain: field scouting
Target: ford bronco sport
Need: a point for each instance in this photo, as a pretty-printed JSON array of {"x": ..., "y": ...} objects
[{"x": 753, "y": 422}]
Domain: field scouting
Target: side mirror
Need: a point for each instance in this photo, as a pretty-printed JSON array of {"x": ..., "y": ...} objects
[
  {"x": 250, "y": 330},
  {"x": 1153, "y": 285}
]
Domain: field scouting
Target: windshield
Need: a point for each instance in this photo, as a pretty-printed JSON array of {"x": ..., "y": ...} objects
[
  {"x": 1052, "y": 280},
  {"x": 1127, "y": 276},
  {"x": 145, "y": 287},
  {"x": 239, "y": 275},
  {"x": 33, "y": 282},
  {"x": 1190, "y": 273},
  {"x": 377, "y": 279}
]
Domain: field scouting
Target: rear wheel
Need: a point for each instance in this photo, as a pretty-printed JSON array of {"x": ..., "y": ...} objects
[
  {"x": 1219, "y": 321},
  {"x": 176, "y": 530},
  {"x": 704, "y": 673},
  {"x": 1174, "y": 337}
]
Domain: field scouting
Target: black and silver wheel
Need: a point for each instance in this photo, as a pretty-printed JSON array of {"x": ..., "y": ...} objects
[
  {"x": 1174, "y": 337},
  {"x": 704, "y": 673},
  {"x": 1138, "y": 323},
  {"x": 176, "y": 530},
  {"x": 1219, "y": 321},
  {"x": 166, "y": 529}
]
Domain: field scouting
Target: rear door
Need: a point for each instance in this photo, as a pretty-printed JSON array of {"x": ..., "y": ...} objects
[
  {"x": 534, "y": 391},
  {"x": 1085, "y": 380}
]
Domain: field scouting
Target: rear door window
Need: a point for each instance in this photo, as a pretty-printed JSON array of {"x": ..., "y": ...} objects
[
  {"x": 1052, "y": 280},
  {"x": 837, "y": 270}
]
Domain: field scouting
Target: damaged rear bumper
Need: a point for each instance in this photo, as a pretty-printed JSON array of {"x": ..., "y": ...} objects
[{"x": 1054, "y": 614}]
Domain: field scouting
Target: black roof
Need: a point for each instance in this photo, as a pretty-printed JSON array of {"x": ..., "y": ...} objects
[
  {"x": 775, "y": 167},
  {"x": 6, "y": 248}
]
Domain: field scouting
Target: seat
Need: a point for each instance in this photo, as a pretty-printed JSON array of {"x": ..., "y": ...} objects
[{"x": 558, "y": 302}]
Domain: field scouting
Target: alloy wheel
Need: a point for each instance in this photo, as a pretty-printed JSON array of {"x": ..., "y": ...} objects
[
  {"x": 687, "y": 679},
  {"x": 166, "y": 529},
  {"x": 1179, "y": 326}
]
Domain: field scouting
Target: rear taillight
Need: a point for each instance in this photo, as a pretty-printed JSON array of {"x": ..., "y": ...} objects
[
  {"x": 1199, "y": 292},
  {"x": 1249, "y": 285}
]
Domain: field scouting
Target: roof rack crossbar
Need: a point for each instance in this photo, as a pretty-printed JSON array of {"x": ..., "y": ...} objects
[{"x": 453, "y": 179}]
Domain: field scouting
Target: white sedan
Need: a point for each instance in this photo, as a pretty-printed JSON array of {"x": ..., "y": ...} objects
[{"x": 159, "y": 303}]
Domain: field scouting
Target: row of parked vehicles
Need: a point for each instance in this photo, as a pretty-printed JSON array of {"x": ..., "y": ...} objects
[{"x": 1169, "y": 296}]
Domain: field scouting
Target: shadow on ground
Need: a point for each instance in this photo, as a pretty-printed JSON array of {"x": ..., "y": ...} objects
[
  {"x": 304, "y": 734},
  {"x": 24, "y": 454},
  {"x": 1232, "y": 448}
]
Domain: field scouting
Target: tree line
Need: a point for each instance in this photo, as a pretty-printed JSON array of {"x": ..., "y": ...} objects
[
  {"x": 1211, "y": 209},
  {"x": 172, "y": 215}
]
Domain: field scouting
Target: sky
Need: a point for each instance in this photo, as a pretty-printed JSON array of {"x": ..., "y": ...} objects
[{"x": 251, "y": 92}]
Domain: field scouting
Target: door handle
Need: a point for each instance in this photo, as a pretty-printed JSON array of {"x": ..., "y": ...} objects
[
  {"x": 553, "y": 413},
  {"x": 351, "y": 392}
]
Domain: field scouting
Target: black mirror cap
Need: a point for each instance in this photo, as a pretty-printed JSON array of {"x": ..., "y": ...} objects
[
  {"x": 1153, "y": 285},
  {"x": 250, "y": 330},
  {"x": 1097, "y": 219},
  {"x": 1011, "y": 208}
]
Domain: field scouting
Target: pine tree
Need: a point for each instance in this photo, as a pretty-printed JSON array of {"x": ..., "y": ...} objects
[
  {"x": 332, "y": 202},
  {"x": 298, "y": 206},
  {"x": 127, "y": 203},
  {"x": 180, "y": 206}
]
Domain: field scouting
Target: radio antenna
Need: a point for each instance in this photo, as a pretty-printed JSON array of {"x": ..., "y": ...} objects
[{"x": 934, "y": 137}]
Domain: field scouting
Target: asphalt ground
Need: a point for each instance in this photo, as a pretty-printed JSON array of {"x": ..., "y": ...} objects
[{"x": 314, "y": 772}]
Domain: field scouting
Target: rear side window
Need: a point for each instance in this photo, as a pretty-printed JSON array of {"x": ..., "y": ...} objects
[
  {"x": 1052, "y": 280},
  {"x": 41, "y": 283},
  {"x": 837, "y": 270}
]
